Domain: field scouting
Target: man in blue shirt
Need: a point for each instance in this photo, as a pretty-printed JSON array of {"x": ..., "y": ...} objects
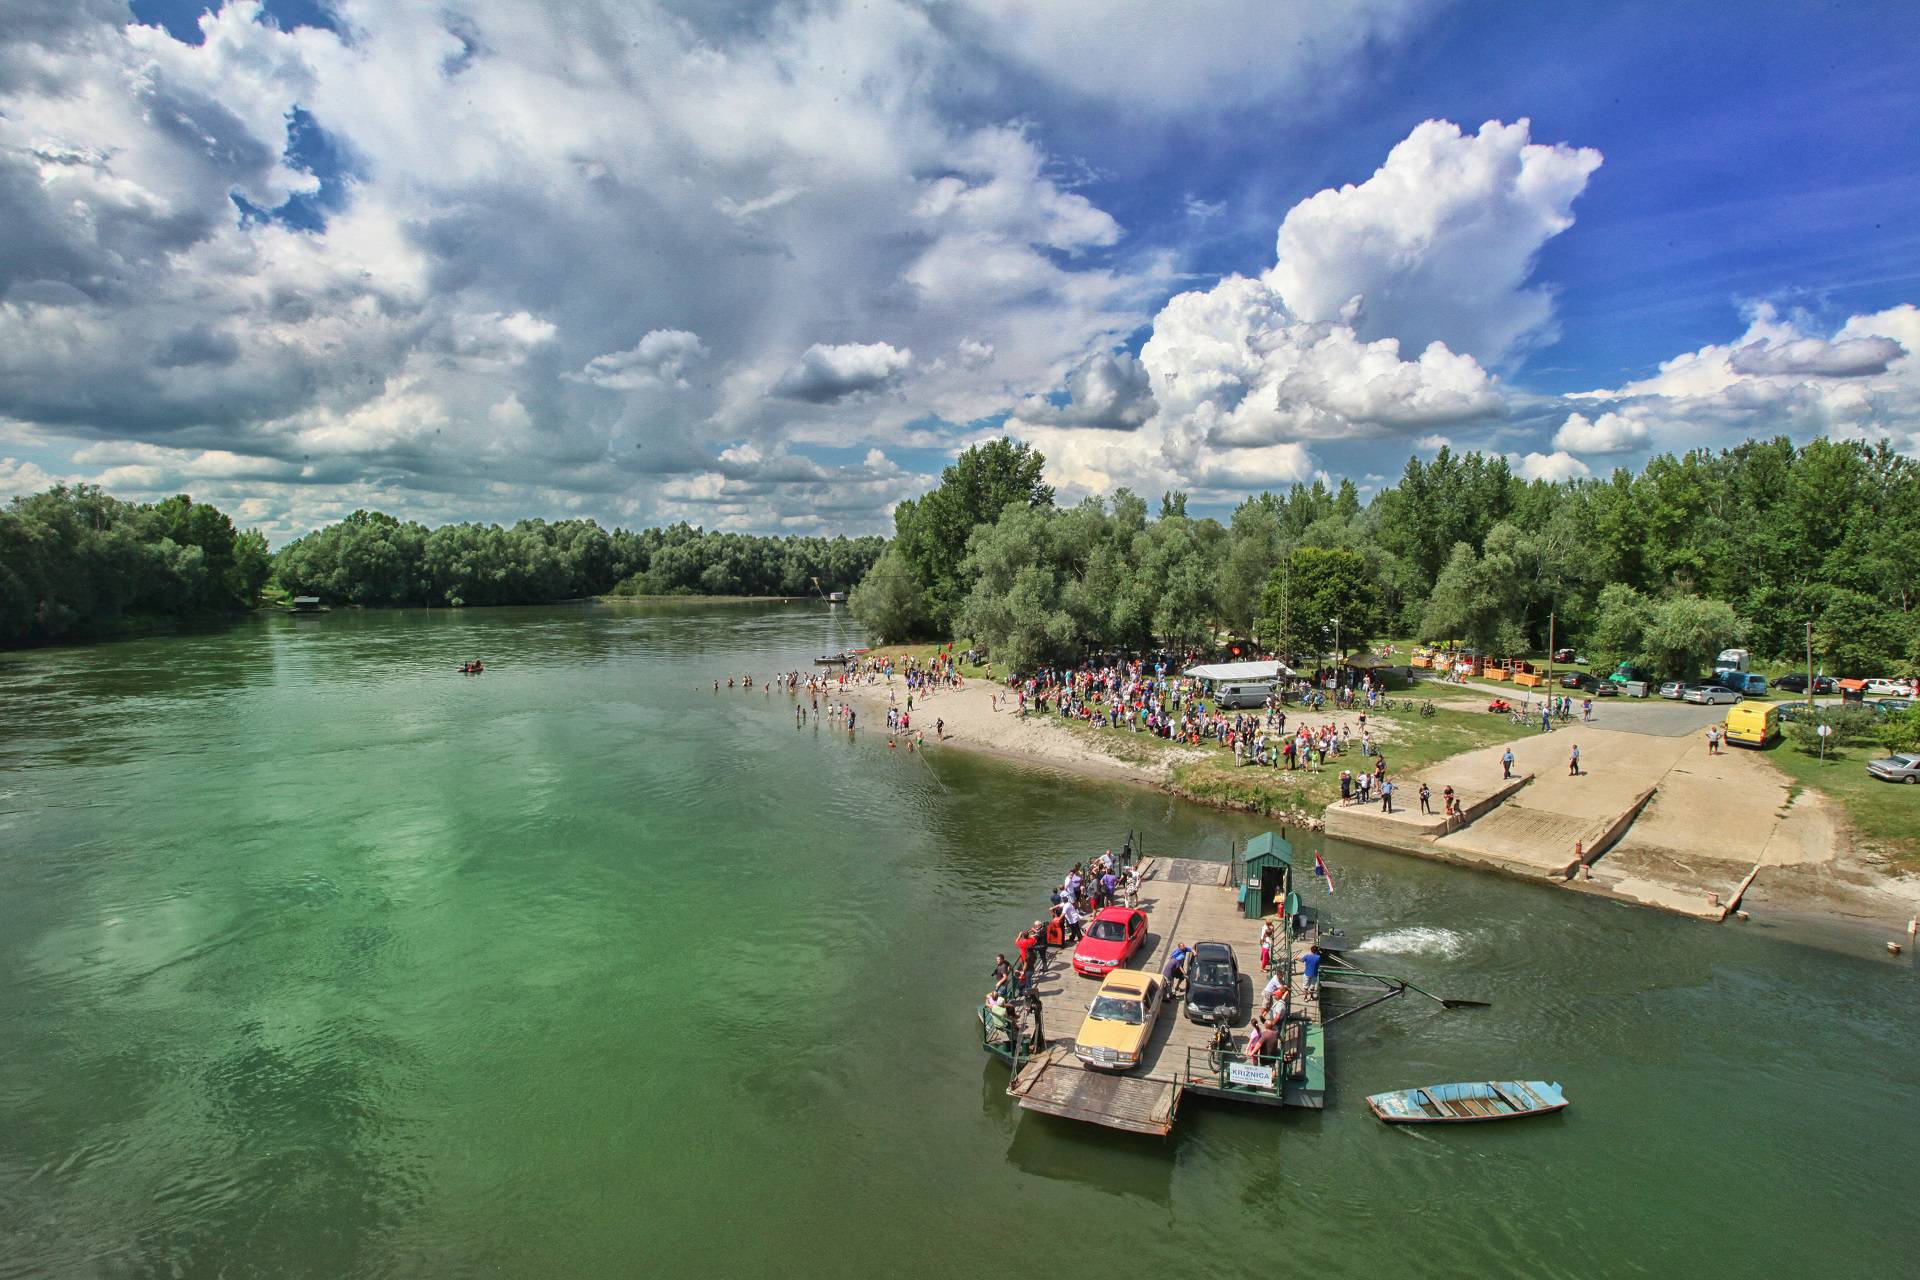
[
  {"x": 1310, "y": 966},
  {"x": 1174, "y": 971}
]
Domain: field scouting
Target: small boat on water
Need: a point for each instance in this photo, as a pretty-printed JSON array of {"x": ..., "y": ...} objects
[
  {"x": 837, "y": 659},
  {"x": 1463, "y": 1103}
]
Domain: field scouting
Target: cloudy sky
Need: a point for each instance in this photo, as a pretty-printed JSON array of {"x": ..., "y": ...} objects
[{"x": 769, "y": 266}]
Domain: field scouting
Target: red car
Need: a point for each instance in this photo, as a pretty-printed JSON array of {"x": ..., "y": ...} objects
[{"x": 1109, "y": 942}]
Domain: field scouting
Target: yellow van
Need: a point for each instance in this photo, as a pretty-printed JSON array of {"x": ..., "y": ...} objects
[{"x": 1753, "y": 724}]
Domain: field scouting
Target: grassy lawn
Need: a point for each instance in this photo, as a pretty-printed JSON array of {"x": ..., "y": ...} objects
[
  {"x": 1886, "y": 814},
  {"x": 1414, "y": 742}
]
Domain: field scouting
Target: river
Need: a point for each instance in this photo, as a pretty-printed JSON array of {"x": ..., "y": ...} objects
[{"x": 320, "y": 959}]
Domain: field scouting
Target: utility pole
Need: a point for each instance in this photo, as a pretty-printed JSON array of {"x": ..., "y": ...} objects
[
  {"x": 1810, "y": 715},
  {"x": 1550, "y": 621}
]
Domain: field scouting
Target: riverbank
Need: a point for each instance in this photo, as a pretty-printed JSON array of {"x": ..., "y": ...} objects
[{"x": 1656, "y": 821}]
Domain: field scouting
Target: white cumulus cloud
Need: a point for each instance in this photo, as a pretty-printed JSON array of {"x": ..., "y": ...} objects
[
  {"x": 1785, "y": 376},
  {"x": 1439, "y": 244},
  {"x": 1556, "y": 466},
  {"x": 1607, "y": 433},
  {"x": 826, "y": 374},
  {"x": 658, "y": 359}
]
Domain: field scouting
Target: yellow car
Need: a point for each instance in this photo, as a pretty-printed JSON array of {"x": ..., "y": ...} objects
[{"x": 1120, "y": 1021}]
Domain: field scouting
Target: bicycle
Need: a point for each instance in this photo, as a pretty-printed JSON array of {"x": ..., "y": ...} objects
[{"x": 1426, "y": 708}]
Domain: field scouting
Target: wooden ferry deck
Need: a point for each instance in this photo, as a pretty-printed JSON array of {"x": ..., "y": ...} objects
[{"x": 1185, "y": 901}]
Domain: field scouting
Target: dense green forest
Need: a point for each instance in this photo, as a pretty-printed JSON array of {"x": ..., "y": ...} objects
[
  {"x": 76, "y": 562},
  {"x": 1693, "y": 553},
  {"x": 1664, "y": 567},
  {"x": 373, "y": 559}
]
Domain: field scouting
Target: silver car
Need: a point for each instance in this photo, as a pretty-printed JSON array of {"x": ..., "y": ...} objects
[
  {"x": 1898, "y": 768},
  {"x": 1673, "y": 689},
  {"x": 1711, "y": 695}
]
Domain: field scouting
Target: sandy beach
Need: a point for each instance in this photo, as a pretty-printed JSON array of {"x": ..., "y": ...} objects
[{"x": 971, "y": 723}]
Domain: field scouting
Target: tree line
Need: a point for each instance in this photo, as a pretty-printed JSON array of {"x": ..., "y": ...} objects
[
  {"x": 1663, "y": 567},
  {"x": 76, "y": 562},
  {"x": 371, "y": 558}
]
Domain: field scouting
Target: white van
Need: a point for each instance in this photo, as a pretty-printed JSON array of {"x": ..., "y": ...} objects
[{"x": 1229, "y": 694}]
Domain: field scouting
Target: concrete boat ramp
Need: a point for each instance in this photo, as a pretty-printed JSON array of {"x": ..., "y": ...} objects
[
  {"x": 1650, "y": 819},
  {"x": 1185, "y": 901}
]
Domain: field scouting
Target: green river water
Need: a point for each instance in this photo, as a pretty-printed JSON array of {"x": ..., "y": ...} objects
[{"x": 319, "y": 959}]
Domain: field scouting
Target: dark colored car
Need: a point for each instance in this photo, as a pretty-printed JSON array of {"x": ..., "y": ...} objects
[
  {"x": 1564, "y": 655},
  {"x": 1213, "y": 984},
  {"x": 1791, "y": 683},
  {"x": 1580, "y": 680}
]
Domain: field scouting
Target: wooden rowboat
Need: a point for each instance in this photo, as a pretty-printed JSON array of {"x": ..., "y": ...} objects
[{"x": 1464, "y": 1103}]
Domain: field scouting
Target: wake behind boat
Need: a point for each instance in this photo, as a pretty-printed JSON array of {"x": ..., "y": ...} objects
[{"x": 1462, "y": 1103}]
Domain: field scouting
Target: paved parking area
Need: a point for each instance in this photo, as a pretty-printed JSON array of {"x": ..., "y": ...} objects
[{"x": 1655, "y": 716}]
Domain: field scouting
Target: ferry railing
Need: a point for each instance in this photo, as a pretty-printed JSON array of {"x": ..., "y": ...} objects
[{"x": 1265, "y": 1078}]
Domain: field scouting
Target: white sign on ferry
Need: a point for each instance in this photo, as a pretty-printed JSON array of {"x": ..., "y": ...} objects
[{"x": 1247, "y": 1073}]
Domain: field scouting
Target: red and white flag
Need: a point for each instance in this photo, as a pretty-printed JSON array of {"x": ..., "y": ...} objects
[{"x": 1320, "y": 869}]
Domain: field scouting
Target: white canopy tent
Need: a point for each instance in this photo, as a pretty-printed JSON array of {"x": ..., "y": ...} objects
[{"x": 1235, "y": 671}]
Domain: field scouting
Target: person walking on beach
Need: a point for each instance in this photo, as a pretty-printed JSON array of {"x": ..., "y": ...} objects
[
  {"x": 1573, "y": 762},
  {"x": 1506, "y": 765}
]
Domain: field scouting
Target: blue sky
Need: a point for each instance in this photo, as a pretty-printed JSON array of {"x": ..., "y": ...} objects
[{"x": 769, "y": 267}]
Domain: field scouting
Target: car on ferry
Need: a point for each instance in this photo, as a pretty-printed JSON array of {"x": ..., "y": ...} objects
[
  {"x": 1120, "y": 1021},
  {"x": 1213, "y": 984},
  {"x": 1110, "y": 940}
]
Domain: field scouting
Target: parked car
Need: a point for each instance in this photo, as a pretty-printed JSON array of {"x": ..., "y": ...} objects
[
  {"x": 1892, "y": 706},
  {"x": 1751, "y": 683},
  {"x": 1903, "y": 767},
  {"x": 1608, "y": 689},
  {"x": 1890, "y": 688},
  {"x": 1110, "y": 941},
  {"x": 1120, "y": 1021},
  {"x": 1568, "y": 655},
  {"x": 1580, "y": 680},
  {"x": 1673, "y": 689},
  {"x": 1711, "y": 695},
  {"x": 1792, "y": 683},
  {"x": 1213, "y": 984},
  {"x": 1826, "y": 684}
]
